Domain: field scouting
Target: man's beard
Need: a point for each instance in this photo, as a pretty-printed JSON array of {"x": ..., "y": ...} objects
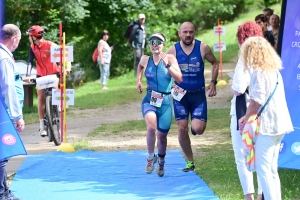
[{"x": 188, "y": 44}]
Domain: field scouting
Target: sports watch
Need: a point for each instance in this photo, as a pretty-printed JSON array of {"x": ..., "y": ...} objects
[
  {"x": 214, "y": 81},
  {"x": 168, "y": 65}
]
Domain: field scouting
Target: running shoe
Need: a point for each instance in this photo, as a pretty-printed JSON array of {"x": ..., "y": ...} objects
[
  {"x": 150, "y": 164},
  {"x": 160, "y": 169},
  {"x": 43, "y": 132},
  {"x": 189, "y": 167}
]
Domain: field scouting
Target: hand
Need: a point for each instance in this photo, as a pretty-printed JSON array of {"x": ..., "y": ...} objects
[
  {"x": 20, "y": 125},
  {"x": 102, "y": 63},
  {"x": 164, "y": 57},
  {"x": 211, "y": 89},
  {"x": 112, "y": 47},
  {"x": 230, "y": 81},
  {"x": 242, "y": 122},
  {"x": 139, "y": 87},
  {"x": 27, "y": 79}
]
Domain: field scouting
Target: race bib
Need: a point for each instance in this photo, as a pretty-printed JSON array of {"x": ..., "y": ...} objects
[
  {"x": 156, "y": 99},
  {"x": 177, "y": 92}
]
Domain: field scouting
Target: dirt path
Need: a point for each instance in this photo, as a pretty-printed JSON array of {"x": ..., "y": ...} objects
[{"x": 82, "y": 122}]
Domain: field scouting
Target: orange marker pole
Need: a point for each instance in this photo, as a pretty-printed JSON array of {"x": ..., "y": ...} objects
[{"x": 61, "y": 84}]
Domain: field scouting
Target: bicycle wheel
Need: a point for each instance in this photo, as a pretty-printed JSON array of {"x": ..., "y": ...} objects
[
  {"x": 46, "y": 126},
  {"x": 53, "y": 117}
]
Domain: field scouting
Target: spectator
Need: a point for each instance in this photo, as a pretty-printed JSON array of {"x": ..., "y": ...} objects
[
  {"x": 239, "y": 104},
  {"x": 267, "y": 12},
  {"x": 274, "y": 21},
  {"x": 191, "y": 54},
  {"x": 104, "y": 58},
  {"x": 137, "y": 40},
  {"x": 159, "y": 70},
  {"x": 262, "y": 21},
  {"x": 262, "y": 62},
  {"x": 11, "y": 91}
]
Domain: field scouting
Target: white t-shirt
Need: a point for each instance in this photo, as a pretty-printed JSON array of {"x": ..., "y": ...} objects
[
  {"x": 144, "y": 36},
  {"x": 106, "y": 53}
]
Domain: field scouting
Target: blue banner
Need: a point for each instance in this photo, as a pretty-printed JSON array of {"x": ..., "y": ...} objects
[
  {"x": 289, "y": 156},
  {"x": 10, "y": 141},
  {"x": 2, "y": 13}
]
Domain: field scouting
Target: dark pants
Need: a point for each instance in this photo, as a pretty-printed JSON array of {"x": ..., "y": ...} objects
[
  {"x": 137, "y": 53},
  {"x": 3, "y": 177}
]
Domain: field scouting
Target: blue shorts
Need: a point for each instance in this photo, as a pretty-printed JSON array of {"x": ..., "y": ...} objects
[
  {"x": 193, "y": 103},
  {"x": 163, "y": 113}
]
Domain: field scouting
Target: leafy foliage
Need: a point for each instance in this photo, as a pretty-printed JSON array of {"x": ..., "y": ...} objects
[{"x": 84, "y": 20}]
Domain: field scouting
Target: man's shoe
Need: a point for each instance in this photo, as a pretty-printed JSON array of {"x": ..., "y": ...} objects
[
  {"x": 160, "y": 169},
  {"x": 10, "y": 196},
  {"x": 150, "y": 164},
  {"x": 189, "y": 167},
  {"x": 43, "y": 132}
]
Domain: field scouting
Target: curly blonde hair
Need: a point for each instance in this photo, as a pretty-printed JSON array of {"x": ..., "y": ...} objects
[{"x": 257, "y": 53}]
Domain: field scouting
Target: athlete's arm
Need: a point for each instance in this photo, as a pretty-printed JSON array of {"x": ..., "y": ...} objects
[
  {"x": 29, "y": 65},
  {"x": 140, "y": 71},
  {"x": 174, "y": 68},
  {"x": 172, "y": 51},
  {"x": 209, "y": 56}
]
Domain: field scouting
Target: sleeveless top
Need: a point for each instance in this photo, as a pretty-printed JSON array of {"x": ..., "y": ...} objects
[
  {"x": 106, "y": 52},
  {"x": 191, "y": 66},
  {"x": 44, "y": 66},
  {"x": 158, "y": 77}
]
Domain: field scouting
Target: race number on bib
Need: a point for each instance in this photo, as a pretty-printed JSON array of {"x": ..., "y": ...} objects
[
  {"x": 156, "y": 99},
  {"x": 177, "y": 92}
]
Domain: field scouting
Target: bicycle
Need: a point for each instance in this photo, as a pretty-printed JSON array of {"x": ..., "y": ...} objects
[{"x": 52, "y": 117}]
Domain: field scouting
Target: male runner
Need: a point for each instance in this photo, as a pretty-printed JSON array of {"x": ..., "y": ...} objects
[{"x": 190, "y": 95}]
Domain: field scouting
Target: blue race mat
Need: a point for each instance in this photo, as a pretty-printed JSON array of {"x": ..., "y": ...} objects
[{"x": 88, "y": 175}]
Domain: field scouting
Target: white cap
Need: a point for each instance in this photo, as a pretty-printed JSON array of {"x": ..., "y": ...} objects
[
  {"x": 141, "y": 16},
  {"x": 157, "y": 36}
]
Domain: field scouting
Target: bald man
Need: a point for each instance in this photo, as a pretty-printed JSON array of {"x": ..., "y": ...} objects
[
  {"x": 11, "y": 91},
  {"x": 190, "y": 96}
]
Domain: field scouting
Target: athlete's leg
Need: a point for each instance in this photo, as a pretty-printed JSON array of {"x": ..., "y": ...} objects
[
  {"x": 184, "y": 139},
  {"x": 199, "y": 113},
  {"x": 198, "y": 126},
  {"x": 150, "y": 119}
]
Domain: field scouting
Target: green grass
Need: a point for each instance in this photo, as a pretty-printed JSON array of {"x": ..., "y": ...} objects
[
  {"x": 232, "y": 48},
  {"x": 215, "y": 163},
  {"x": 121, "y": 90}
]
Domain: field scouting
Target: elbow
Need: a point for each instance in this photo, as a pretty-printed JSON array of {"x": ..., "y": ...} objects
[{"x": 179, "y": 79}]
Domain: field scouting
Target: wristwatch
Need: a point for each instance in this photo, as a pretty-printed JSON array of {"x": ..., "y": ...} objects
[
  {"x": 214, "y": 81},
  {"x": 168, "y": 65}
]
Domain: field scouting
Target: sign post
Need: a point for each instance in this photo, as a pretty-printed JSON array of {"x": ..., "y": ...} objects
[
  {"x": 219, "y": 47},
  {"x": 62, "y": 55}
]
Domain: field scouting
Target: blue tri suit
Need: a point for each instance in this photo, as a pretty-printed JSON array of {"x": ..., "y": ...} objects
[
  {"x": 158, "y": 80},
  {"x": 193, "y": 81}
]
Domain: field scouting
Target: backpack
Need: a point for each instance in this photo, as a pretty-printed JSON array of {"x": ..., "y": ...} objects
[
  {"x": 95, "y": 55},
  {"x": 129, "y": 30}
]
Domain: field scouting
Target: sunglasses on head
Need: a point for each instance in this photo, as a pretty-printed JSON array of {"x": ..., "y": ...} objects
[{"x": 157, "y": 42}]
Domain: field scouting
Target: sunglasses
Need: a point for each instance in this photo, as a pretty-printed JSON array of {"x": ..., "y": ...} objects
[
  {"x": 157, "y": 42},
  {"x": 106, "y": 34}
]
